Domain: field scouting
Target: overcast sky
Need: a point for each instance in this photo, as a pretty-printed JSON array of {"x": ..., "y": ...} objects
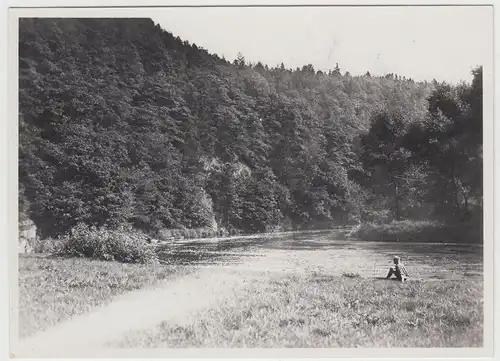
[{"x": 423, "y": 43}]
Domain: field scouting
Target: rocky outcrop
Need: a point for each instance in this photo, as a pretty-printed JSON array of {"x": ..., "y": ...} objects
[{"x": 27, "y": 236}]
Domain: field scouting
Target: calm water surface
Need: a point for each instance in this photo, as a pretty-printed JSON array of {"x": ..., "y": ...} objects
[{"x": 434, "y": 260}]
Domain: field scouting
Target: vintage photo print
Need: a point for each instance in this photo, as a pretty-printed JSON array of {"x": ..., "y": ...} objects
[{"x": 251, "y": 181}]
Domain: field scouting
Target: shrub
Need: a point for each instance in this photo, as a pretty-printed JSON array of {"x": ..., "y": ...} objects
[
  {"x": 193, "y": 233},
  {"x": 122, "y": 245},
  {"x": 420, "y": 231},
  {"x": 49, "y": 246}
]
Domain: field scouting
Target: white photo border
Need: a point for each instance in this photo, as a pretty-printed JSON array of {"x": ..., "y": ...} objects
[{"x": 12, "y": 10}]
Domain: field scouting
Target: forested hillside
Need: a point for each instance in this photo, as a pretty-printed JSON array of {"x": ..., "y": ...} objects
[{"x": 122, "y": 122}]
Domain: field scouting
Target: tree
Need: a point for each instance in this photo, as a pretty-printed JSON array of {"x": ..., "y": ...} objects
[
  {"x": 385, "y": 158},
  {"x": 450, "y": 144},
  {"x": 336, "y": 71},
  {"x": 239, "y": 61}
]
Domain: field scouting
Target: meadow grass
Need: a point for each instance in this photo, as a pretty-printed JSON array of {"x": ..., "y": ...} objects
[
  {"x": 53, "y": 289},
  {"x": 322, "y": 310}
]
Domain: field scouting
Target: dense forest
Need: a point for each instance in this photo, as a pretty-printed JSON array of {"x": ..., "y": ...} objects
[{"x": 122, "y": 123}]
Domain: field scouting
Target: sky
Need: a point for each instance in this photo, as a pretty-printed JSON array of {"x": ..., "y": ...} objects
[{"x": 422, "y": 43}]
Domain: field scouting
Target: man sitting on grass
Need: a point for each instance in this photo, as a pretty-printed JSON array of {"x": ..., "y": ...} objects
[{"x": 399, "y": 270}]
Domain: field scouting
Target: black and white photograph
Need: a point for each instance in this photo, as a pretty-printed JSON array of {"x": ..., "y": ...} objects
[{"x": 252, "y": 177}]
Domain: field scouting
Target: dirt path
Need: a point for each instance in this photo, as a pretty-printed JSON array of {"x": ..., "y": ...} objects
[{"x": 136, "y": 310}]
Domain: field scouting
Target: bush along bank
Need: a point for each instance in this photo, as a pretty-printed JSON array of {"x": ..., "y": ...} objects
[
  {"x": 420, "y": 231},
  {"x": 121, "y": 244}
]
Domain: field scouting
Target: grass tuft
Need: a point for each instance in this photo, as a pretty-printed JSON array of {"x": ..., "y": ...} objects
[{"x": 351, "y": 275}]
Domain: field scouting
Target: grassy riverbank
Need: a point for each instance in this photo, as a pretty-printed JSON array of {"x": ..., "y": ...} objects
[
  {"x": 323, "y": 310},
  {"x": 420, "y": 231},
  {"x": 299, "y": 292}
]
